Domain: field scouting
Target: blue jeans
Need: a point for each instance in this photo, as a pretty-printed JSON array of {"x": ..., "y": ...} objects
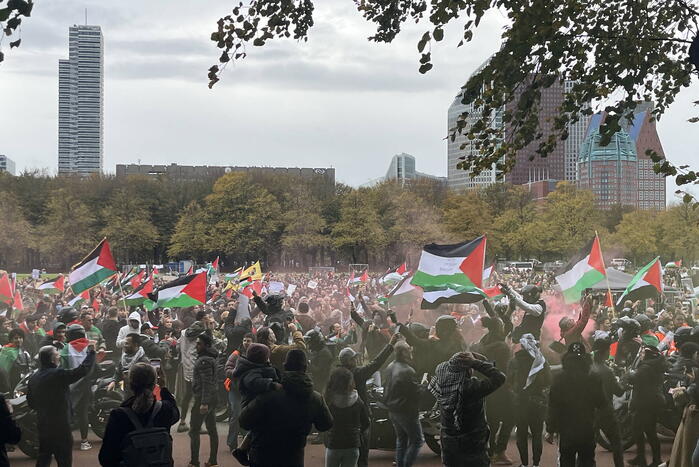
[
  {"x": 409, "y": 437},
  {"x": 233, "y": 416},
  {"x": 341, "y": 457}
]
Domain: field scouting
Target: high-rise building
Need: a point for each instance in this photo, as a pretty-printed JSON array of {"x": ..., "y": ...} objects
[
  {"x": 402, "y": 169},
  {"x": 559, "y": 165},
  {"x": 81, "y": 103},
  {"x": 7, "y": 164},
  {"x": 622, "y": 172},
  {"x": 461, "y": 179}
]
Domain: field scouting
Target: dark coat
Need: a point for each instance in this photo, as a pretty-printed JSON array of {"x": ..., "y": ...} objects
[
  {"x": 204, "y": 378},
  {"x": 350, "y": 418},
  {"x": 363, "y": 373},
  {"x": 254, "y": 379},
  {"x": 402, "y": 392},
  {"x": 110, "y": 331},
  {"x": 647, "y": 381},
  {"x": 433, "y": 351},
  {"x": 119, "y": 425},
  {"x": 9, "y": 432},
  {"x": 286, "y": 415},
  {"x": 321, "y": 360},
  {"x": 49, "y": 393}
]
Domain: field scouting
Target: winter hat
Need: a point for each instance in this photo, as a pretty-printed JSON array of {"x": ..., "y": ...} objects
[
  {"x": 295, "y": 360},
  {"x": 346, "y": 355},
  {"x": 258, "y": 353}
]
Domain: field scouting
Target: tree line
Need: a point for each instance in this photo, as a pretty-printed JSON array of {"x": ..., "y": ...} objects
[{"x": 290, "y": 222}]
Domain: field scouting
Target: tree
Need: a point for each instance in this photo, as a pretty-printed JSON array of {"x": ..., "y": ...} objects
[
  {"x": 358, "y": 230},
  {"x": 191, "y": 237},
  {"x": 614, "y": 51},
  {"x": 678, "y": 229},
  {"x": 131, "y": 234},
  {"x": 637, "y": 234},
  {"x": 415, "y": 224},
  {"x": 16, "y": 231},
  {"x": 467, "y": 216},
  {"x": 304, "y": 225},
  {"x": 69, "y": 232}
]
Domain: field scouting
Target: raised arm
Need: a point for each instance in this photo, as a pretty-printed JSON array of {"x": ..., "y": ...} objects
[{"x": 531, "y": 308}]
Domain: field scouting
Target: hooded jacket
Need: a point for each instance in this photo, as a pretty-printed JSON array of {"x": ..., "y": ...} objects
[
  {"x": 254, "y": 379},
  {"x": 435, "y": 351},
  {"x": 126, "y": 330},
  {"x": 647, "y": 381},
  {"x": 187, "y": 348},
  {"x": 350, "y": 418},
  {"x": 286, "y": 415},
  {"x": 204, "y": 378}
]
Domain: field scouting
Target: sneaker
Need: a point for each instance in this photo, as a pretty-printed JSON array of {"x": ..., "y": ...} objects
[
  {"x": 182, "y": 427},
  {"x": 85, "y": 446},
  {"x": 501, "y": 459},
  {"x": 241, "y": 456}
]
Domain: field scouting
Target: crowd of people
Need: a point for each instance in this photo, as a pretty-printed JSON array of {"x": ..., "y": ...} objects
[{"x": 305, "y": 365}]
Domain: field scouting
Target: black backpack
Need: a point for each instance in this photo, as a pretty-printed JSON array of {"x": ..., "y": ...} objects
[{"x": 147, "y": 446}]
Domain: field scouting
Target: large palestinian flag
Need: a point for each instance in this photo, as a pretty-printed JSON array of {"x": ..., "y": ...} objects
[
  {"x": 92, "y": 270},
  {"x": 451, "y": 273},
  {"x": 73, "y": 354},
  {"x": 140, "y": 295},
  {"x": 647, "y": 283},
  {"x": 183, "y": 292},
  {"x": 404, "y": 293},
  {"x": 585, "y": 270},
  {"x": 54, "y": 285}
]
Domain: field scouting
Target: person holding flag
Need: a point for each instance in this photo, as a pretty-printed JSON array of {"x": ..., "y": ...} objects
[{"x": 534, "y": 310}]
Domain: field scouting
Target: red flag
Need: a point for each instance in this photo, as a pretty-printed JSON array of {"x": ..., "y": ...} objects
[
  {"x": 18, "y": 304},
  {"x": 257, "y": 287},
  {"x": 365, "y": 277},
  {"x": 402, "y": 269},
  {"x": 609, "y": 299},
  {"x": 215, "y": 264},
  {"x": 6, "y": 295},
  {"x": 137, "y": 279},
  {"x": 191, "y": 270}
]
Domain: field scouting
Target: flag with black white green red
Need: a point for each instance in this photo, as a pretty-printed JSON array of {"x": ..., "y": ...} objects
[
  {"x": 451, "y": 273},
  {"x": 404, "y": 293},
  {"x": 647, "y": 283},
  {"x": 18, "y": 304},
  {"x": 583, "y": 271},
  {"x": 6, "y": 295},
  {"x": 140, "y": 294},
  {"x": 183, "y": 292},
  {"x": 93, "y": 269},
  {"x": 136, "y": 280},
  {"x": 79, "y": 298},
  {"x": 52, "y": 286}
]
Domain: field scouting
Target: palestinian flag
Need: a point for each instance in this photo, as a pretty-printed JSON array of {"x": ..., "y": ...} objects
[
  {"x": 54, "y": 285},
  {"x": 183, "y": 292},
  {"x": 140, "y": 295},
  {"x": 191, "y": 270},
  {"x": 583, "y": 271},
  {"x": 451, "y": 273},
  {"x": 647, "y": 283},
  {"x": 8, "y": 355},
  {"x": 608, "y": 299},
  {"x": 73, "y": 354},
  {"x": 127, "y": 278},
  {"x": 487, "y": 272},
  {"x": 355, "y": 280},
  {"x": 404, "y": 293},
  {"x": 6, "y": 295},
  {"x": 392, "y": 276},
  {"x": 92, "y": 270},
  {"x": 18, "y": 304},
  {"x": 213, "y": 269},
  {"x": 79, "y": 298},
  {"x": 136, "y": 280},
  {"x": 154, "y": 272}
]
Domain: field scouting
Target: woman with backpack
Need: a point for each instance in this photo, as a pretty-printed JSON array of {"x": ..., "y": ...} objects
[
  {"x": 351, "y": 417},
  {"x": 142, "y": 417}
]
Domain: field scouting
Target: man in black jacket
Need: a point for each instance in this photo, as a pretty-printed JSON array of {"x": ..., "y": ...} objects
[
  {"x": 461, "y": 398},
  {"x": 204, "y": 393},
  {"x": 49, "y": 395},
  {"x": 574, "y": 398},
  {"x": 348, "y": 359},
  {"x": 402, "y": 398},
  {"x": 286, "y": 415}
]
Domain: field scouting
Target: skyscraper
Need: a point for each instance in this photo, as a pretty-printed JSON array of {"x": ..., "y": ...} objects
[
  {"x": 402, "y": 169},
  {"x": 81, "y": 103},
  {"x": 7, "y": 164},
  {"x": 457, "y": 178},
  {"x": 621, "y": 172}
]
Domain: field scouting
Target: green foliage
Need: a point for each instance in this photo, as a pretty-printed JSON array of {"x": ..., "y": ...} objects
[
  {"x": 358, "y": 230},
  {"x": 128, "y": 227},
  {"x": 616, "y": 52},
  {"x": 16, "y": 231}
]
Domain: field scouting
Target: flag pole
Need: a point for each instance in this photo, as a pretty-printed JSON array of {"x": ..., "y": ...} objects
[
  {"x": 123, "y": 298},
  {"x": 606, "y": 277}
]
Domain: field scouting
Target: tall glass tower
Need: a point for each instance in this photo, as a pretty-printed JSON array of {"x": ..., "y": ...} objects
[{"x": 81, "y": 103}]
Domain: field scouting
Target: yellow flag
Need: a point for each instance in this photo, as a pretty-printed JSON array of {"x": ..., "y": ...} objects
[{"x": 254, "y": 272}]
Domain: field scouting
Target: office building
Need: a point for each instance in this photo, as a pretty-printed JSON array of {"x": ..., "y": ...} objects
[
  {"x": 622, "y": 172},
  {"x": 402, "y": 169},
  {"x": 7, "y": 164},
  {"x": 459, "y": 179},
  {"x": 81, "y": 103},
  {"x": 323, "y": 175}
]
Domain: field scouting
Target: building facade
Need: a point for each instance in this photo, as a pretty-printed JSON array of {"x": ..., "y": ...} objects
[
  {"x": 81, "y": 103},
  {"x": 7, "y": 164},
  {"x": 208, "y": 172},
  {"x": 631, "y": 180},
  {"x": 402, "y": 169}
]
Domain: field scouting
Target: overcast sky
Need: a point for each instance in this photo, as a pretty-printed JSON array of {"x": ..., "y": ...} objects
[{"x": 335, "y": 101}]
